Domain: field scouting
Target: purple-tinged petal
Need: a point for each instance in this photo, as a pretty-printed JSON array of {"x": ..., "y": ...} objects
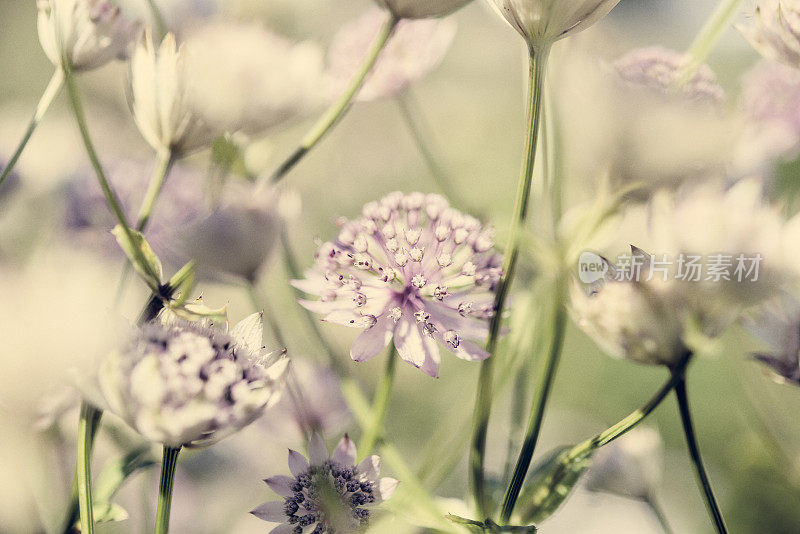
[
  {"x": 280, "y": 484},
  {"x": 323, "y": 308},
  {"x": 317, "y": 451},
  {"x": 372, "y": 340},
  {"x": 417, "y": 349},
  {"x": 270, "y": 511},
  {"x": 370, "y": 467},
  {"x": 297, "y": 463},
  {"x": 345, "y": 453},
  {"x": 468, "y": 351},
  {"x": 385, "y": 488},
  {"x": 285, "y": 528}
]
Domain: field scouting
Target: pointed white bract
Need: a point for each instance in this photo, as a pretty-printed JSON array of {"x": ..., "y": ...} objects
[
  {"x": 421, "y": 9},
  {"x": 630, "y": 466},
  {"x": 190, "y": 384},
  {"x": 415, "y": 48},
  {"x": 160, "y": 99},
  {"x": 775, "y": 30},
  {"x": 543, "y": 22},
  {"x": 411, "y": 270},
  {"x": 326, "y": 493},
  {"x": 86, "y": 34}
]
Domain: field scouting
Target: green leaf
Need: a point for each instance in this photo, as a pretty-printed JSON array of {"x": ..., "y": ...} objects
[
  {"x": 490, "y": 527},
  {"x": 141, "y": 256},
  {"x": 550, "y": 483},
  {"x": 108, "y": 512},
  {"x": 117, "y": 470},
  {"x": 182, "y": 284}
]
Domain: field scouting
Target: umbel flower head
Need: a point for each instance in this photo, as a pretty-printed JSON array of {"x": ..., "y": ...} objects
[
  {"x": 421, "y": 9},
  {"x": 183, "y": 384},
  {"x": 543, "y": 22},
  {"x": 775, "y": 30},
  {"x": 412, "y": 269},
  {"x": 86, "y": 34},
  {"x": 416, "y": 48},
  {"x": 326, "y": 494},
  {"x": 159, "y": 93}
]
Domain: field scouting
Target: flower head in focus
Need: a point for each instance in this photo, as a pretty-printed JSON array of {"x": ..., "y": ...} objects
[
  {"x": 326, "y": 494},
  {"x": 630, "y": 466},
  {"x": 421, "y": 9},
  {"x": 159, "y": 93},
  {"x": 86, "y": 34},
  {"x": 181, "y": 383},
  {"x": 778, "y": 324},
  {"x": 775, "y": 30},
  {"x": 543, "y": 22},
  {"x": 416, "y": 48},
  {"x": 413, "y": 270}
]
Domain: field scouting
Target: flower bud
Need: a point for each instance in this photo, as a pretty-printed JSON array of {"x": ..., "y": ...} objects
[{"x": 421, "y": 9}]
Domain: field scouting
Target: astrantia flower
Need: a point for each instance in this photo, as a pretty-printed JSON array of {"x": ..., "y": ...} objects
[
  {"x": 416, "y": 47},
  {"x": 543, "y": 22},
  {"x": 630, "y": 466},
  {"x": 186, "y": 384},
  {"x": 778, "y": 324},
  {"x": 775, "y": 30},
  {"x": 657, "y": 69},
  {"x": 326, "y": 494},
  {"x": 411, "y": 269},
  {"x": 421, "y": 9},
  {"x": 160, "y": 100},
  {"x": 85, "y": 33}
]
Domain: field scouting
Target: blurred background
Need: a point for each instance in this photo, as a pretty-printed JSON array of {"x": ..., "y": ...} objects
[{"x": 56, "y": 289}]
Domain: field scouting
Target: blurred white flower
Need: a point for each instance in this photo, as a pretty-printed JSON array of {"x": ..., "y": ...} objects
[
  {"x": 421, "y": 9},
  {"x": 543, "y": 22},
  {"x": 415, "y": 48},
  {"x": 775, "y": 30},
  {"x": 778, "y": 324},
  {"x": 246, "y": 78},
  {"x": 630, "y": 466},
  {"x": 326, "y": 494},
  {"x": 413, "y": 270},
  {"x": 86, "y": 34},
  {"x": 160, "y": 99},
  {"x": 190, "y": 384}
]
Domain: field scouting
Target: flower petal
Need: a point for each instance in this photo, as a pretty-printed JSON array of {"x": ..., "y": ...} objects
[
  {"x": 370, "y": 466},
  {"x": 414, "y": 347},
  {"x": 297, "y": 463},
  {"x": 384, "y": 489},
  {"x": 285, "y": 528},
  {"x": 270, "y": 511},
  {"x": 250, "y": 332},
  {"x": 317, "y": 451},
  {"x": 345, "y": 452},
  {"x": 372, "y": 340},
  {"x": 280, "y": 484},
  {"x": 469, "y": 351}
]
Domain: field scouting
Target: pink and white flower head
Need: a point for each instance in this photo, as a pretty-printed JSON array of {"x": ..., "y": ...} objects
[
  {"x": 416, "y": 48},
  {"x": 85, "y": 33},
  {"x": 775, "y": 30},
  {"x": 413, "y": 270},
  {"x": 326, "y": 493}
]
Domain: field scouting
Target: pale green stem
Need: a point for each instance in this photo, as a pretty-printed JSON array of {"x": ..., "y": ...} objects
[
  {"x": 705, "y": 41},
  {"x": 483, "y": 399},
  {"x": 87, "y": 427},
  {"x": 164, "y": 162},
  {"x": 165, "y": 486},
  {"x": 50, "y": 93},
  {"x": 380, "y": 406},
  {"x": 697, "y": 461},
  {"x": 158, "y": 20},
  {"x": 338, "y": 109}
]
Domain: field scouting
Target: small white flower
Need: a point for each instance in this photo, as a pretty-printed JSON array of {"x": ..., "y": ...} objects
[
  {"x": 86, "y": 34},
  {"x": 326, "y": 494},
  {"x": 630, "y": 466},
  {"x": 421, "y": 9},
  {"x": 775, "y": 30}
]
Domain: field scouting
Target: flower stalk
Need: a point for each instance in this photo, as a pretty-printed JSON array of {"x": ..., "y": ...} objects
[
  {"x": 164, "y": 162},
  {"x": 483, "y": 399},
  {"x": 338, "y": 109},
  {"x": 165, "y": 486},
  {"x": 87, "y": 427},
  {"x": 380, "y": 405},
  {"x": 50, "y": 93}
]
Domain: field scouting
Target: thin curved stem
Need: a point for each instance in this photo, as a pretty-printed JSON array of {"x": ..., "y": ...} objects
[
  {"x": 50, "y": 93},
  {"x": 165, "y": 486},
  {"x": 380, "y": 406},
  {"x": 338, "y": 109},
  {"x": 164, "y": 162},
  {"x": 87, "y": 427},
  {"x": 658, "y": 513},
  {"x": 694, "y": 453},
  {"x": 483, "y": 399}
]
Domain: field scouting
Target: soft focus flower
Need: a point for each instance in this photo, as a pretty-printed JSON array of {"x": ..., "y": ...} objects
[
  {"x": 85, "y": 33},
  {"x": 160, "y": 99},
  {"x": 630, "y": 466},
  {"x": 10, "y": 185},
  {"x": 246, "y": 78},
  {"x": 775, "y": 30},
  {"x": 421, "y": 9},
  {"x": 543, "y": 22},
  {"x": 188, "y": 384},
  {"x": 411, "y": 269},
  {"x": 326, "y": 493},
  {"x": 416, "y": 48},
  {"x": 778, "y": 324}
]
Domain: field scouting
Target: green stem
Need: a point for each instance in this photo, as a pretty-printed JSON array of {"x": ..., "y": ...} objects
[
  {"x": 158, "y": 20},
  {"x": 658, "y": 513},
  {"x": 380, "y": 405},
  {"x": 164, "y": 162},
  {"x": 483, "y": 399},
  {"x": 50, "y": 93},
  {"x": 541, "y": 396},
  {"x": 694, "y": 453},
  {"x": 338, "y": 109},
  {"x": 165, "y": 486},
  {"x": 87, "y": 427}
]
